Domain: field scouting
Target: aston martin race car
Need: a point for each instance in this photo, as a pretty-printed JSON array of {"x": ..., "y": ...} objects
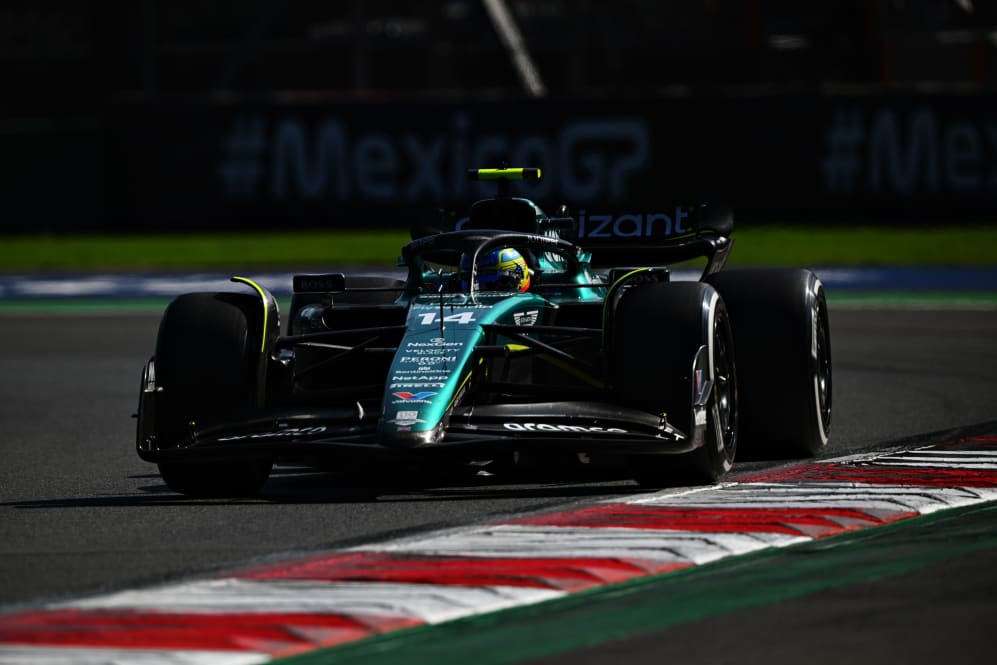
[{"x": 508, "y": 336}]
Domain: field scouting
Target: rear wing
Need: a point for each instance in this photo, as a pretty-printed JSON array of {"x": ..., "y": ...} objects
[
  {"x": 658, "y": 239},
  {"x": 613, "y": 240}
]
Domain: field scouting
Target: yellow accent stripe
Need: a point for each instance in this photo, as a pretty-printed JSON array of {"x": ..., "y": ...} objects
[
  {"x": 263, "y": 299},
  {"x": 508, "y": 174},
  {"x": 632, "y": 272},
  {"x": 459, "y": 388}
]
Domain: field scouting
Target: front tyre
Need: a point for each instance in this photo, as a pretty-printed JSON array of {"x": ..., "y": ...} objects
[
  {"x": 206, "y": 352},
  {"x": 672, "y": 353}
]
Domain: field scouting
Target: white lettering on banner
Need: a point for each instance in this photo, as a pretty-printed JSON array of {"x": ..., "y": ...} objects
[
  {"x": 584, "y": 173},
  {"x": 311, "y": 177},
  {"x": 905, "y": 153},
  {"x": 587, "y": 160},
  {"x": 890, "y": 166}
]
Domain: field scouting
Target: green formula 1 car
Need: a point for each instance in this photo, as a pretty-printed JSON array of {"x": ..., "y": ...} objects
[{"x": 505, "y": 340}]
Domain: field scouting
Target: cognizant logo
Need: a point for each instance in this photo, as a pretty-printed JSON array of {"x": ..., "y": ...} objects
[
  {"x": 596, "y": 225},
  {"x": 635, "y": 225}
]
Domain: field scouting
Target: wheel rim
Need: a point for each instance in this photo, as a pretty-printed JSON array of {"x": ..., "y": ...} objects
[
  {"x": 725, "y": 386},
  {"x": 822, "y": 376}
]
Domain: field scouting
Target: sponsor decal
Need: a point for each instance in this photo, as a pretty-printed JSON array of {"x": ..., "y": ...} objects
[
  {"x": 435, "y": 343},
  {"x": 526, "y": 318},
  {"x": 543, "y": 241},
  {"x": 427, "y": 384},
  {"x": 433, "y": 317},
  {"x": 290, "y": 432},
  {"x": 574, "y": 429},
  {"x": 460, "y": 301},
  {"x": 405, "y": 419},
  {"x": 320, "y": 283},
  {"x": 460, "y": 394},
  {"x": 635, "y": 225},
  {"x": 428, "y": 359},
  {"x": 425, "y": 352},
  {"x": 407, "y": 396}
]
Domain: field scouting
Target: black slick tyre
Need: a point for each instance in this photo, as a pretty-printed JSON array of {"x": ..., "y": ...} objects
[
  {"x": 783, "y": 340},
  {"x": 657, "y": 333},
  {"x": 206, "y": 352}
]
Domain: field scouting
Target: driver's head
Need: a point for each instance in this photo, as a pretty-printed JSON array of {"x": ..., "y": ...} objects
[{"x": 501, "y": 270}]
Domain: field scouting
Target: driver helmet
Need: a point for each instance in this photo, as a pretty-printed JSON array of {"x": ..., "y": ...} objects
[{"x": 499, "y": 270}]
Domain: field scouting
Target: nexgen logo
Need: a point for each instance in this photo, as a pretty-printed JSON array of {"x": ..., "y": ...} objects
[{"x": 546, "y": 427}]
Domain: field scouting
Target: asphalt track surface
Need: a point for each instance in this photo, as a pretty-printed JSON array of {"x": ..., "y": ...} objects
[{"x": 80, "y": 513}]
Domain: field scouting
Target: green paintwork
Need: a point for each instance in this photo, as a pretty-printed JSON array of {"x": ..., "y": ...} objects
[{"x": 435, "y": 357}]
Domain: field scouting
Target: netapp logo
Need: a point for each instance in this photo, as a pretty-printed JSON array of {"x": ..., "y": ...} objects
[{"x": 574, "y": 429}]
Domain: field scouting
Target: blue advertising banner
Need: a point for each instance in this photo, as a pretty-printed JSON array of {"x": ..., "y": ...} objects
[{"x": 620, "y": 164}]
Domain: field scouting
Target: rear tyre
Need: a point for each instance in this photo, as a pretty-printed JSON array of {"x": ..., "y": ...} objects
[
  {"x": 205, "y": 361},
  {"x": 782, "y": 331},
  {"x": 657, "y": 331}
]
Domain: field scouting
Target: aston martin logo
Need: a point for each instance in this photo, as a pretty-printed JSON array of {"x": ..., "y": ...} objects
[{"x": 526, "y": 318}]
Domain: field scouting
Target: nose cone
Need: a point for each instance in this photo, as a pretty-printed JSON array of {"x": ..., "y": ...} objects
[{"x": 407, "y": 440}]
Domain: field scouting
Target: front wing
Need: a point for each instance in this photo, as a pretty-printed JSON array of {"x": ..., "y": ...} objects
[{"x": 471, "y": 432}]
